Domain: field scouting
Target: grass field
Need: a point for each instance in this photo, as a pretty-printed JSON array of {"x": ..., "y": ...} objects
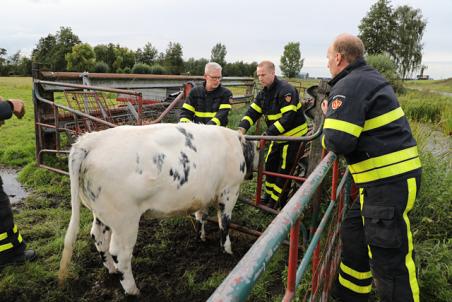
[{"x": 169, "y": 265}]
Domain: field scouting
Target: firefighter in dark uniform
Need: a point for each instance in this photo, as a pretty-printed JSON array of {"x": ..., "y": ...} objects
[
  {"x": 279, "y": 102},
  {"x": 210, "y": 103},
  {"x": 12, "y": 245},
  {"x": 365, "y": 123}
]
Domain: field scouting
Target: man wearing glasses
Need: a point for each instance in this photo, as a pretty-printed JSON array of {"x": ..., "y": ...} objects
[{"x": 210, "y": 103}]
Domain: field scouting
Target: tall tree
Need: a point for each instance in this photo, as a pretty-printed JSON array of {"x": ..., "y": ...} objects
[
  {"x": 52, "y": 49},
  {"x": 291, "y": 62},
  {"x": 395, "y": 32},
  {"x": 82, "y": 58},
  {"x": 218, "y": 54},
  {"x": 173, "y": 58},
  {"x": 376, "y": 29},
  {"x": 408, "y": 44},
  {"x": 195, "y": 66},
  {"x": 148, "y": 55}
]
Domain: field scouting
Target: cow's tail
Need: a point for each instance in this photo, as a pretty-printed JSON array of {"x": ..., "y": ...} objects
[{"x": 76, "y": 158}]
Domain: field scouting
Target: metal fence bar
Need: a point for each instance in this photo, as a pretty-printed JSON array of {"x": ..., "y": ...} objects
[{"x": 238, "y": 284}]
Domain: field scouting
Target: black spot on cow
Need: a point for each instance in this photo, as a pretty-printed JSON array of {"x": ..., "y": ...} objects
[
  {"x": 188, "y": 138},
  {"x": 158, "y": 160},
  {"x": 221, "y": 206},
  {"x": 181, "y": 177},
  {"x": 115, "y": 258},
  {"x": 139, "y": 169},
  {"x": 120, "y": 275},
  {"x": 242, "y": 167},
  {"x": 225, "y": 222},
  {"x": 103, "y": 257},
  {"x": 92, "y": 236},
  {"x": 89, "y": 191},
  {"x": 248, "y": 148},
  {"x": 98, "y": 221}
]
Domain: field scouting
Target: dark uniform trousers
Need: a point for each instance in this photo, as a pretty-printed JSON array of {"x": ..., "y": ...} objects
[
  {"x": 377, "y": 243},
  {"x": 279, "y": 159},
  {"x": 11, "y": 241}
]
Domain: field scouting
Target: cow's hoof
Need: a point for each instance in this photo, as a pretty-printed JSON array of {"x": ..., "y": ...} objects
[{"x": 133, "y": 292}]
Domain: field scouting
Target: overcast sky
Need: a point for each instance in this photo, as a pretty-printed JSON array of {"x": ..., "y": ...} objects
[{"x": 252, "y": 30}]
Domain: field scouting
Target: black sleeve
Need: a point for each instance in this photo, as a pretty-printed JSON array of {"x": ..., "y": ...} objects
[
  {"x": 288, "y": 100},
  {"x": 344, "y": 120},
  {"x": 221, "y": 117},
  {"x": 253, "y": 113},
  {"x": 187, "y": 111},
  {"x": 6, "y": 110}
]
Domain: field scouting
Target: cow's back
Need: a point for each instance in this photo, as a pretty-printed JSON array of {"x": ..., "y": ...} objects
[{"x": 167, "y": 168}]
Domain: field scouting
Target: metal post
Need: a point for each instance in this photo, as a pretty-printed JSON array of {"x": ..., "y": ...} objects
[{"x": 293, "y": 262}]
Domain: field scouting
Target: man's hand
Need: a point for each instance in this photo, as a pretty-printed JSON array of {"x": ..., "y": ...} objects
[
  {"x": 325, "y": 106},
  {"x": 241, "y": 130},
  {"x": 18, "y": 107}
]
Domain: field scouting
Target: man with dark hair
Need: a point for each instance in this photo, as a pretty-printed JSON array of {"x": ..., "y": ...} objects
[
  {"x": 365, "y": 123},
  {"x": 280, "y": 104},
  {"x": 210, "y": 103},
  {"x": 12, "y": 246}
]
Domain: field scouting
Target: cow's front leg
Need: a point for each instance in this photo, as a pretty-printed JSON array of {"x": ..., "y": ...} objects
[
  {"x": 101, "y": 235},
  {"x": 123, "y": 240},
  {"x": 200, "y": 216},
  {"x": 226, "y": 203}
]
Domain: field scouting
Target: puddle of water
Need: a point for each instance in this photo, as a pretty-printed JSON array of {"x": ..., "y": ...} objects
[{"x": 11, "y": 186}]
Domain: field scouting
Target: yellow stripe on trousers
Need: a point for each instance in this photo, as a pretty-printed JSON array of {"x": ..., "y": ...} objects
[{"x": 409, "y": 262}]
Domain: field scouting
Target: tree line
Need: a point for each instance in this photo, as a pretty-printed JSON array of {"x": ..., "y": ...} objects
[{"x": 392, "y": 38}]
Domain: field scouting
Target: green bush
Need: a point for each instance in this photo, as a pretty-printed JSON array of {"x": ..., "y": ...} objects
[
  {"x": 141, "y": 68},
  {"x": 101, "y": 67},
  {"x": 388, "y": 69},
  {"x": 158, "y": 69}
]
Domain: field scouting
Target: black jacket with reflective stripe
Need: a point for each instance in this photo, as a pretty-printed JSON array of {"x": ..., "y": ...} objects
[
  {"x": 278, "y": 103},
  {"x": 207, "y": 107},
  {"x": 368, "y": 126}
]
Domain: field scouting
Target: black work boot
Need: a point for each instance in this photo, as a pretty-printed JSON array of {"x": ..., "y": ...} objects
[{"x": 19, "y": 258}]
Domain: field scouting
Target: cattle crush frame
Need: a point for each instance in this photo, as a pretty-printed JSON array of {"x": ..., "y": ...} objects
[{"x": 67, "y": 104}]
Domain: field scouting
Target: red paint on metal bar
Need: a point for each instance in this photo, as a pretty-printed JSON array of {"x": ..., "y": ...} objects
[
  {"x": 293, "y": 261},
  {"x": 284, "y": 176}
]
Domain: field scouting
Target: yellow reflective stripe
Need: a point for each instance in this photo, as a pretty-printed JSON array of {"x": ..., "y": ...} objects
[
  {"x": 269, "y": 151},
  {"x": 19, "y": 238},
  {"x": 225, "y": 106},
  {"x": 409, "y": 262},
  {"x": 247, "y": 118},
  {"x": 353, "y": 287},
  {"x": 323, "y": 141},
  {"x": 384, "y": 160},
  {"x": 15, "y": 228},
  {"x": 284, "y": 156},
  {"x": 343, "y": 126},
  {"x": 361, "y": 202},
  {"x": 256, "y": 107},
  {"x": 299, "y": 105},
  {"x": 297, "y": 131},
  {"x": 279, "y": 127},
  {"x": 3, "y": 236},
  {"x": 355, "y": 274},
  {"x": 216, "y": 121},
  {"x": 273, "y": 117},
  {"x": 184, "y": 120},
  {"x": 383, "y": 119},
  {"x": 288, "y": 108},
  {"x": 188, "y": 107},
  {"x": 6, "y": 246},
  {"x": 273, "y": 186},
  {"x": 388, "y": 171},
  {"x": 205, "y": 114}
]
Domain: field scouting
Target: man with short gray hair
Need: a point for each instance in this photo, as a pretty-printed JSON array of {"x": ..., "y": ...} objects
[{"x": 210, "y": 103}]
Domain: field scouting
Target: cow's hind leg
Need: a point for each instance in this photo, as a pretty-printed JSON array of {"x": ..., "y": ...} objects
[
  {"x": 101, "y": 234},
  {"x": 200, "y": 216},
  {"x": 123, "y": 239},
  {"x": 226, "y": 203}
]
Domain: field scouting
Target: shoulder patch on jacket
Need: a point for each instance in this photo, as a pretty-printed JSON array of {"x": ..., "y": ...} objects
[
  {"x": 337, "y": 101},
  {"x": 288, "y": 97}
]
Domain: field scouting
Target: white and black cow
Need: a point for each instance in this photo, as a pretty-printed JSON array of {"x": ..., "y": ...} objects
[{"x": 165, "y": 170}]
